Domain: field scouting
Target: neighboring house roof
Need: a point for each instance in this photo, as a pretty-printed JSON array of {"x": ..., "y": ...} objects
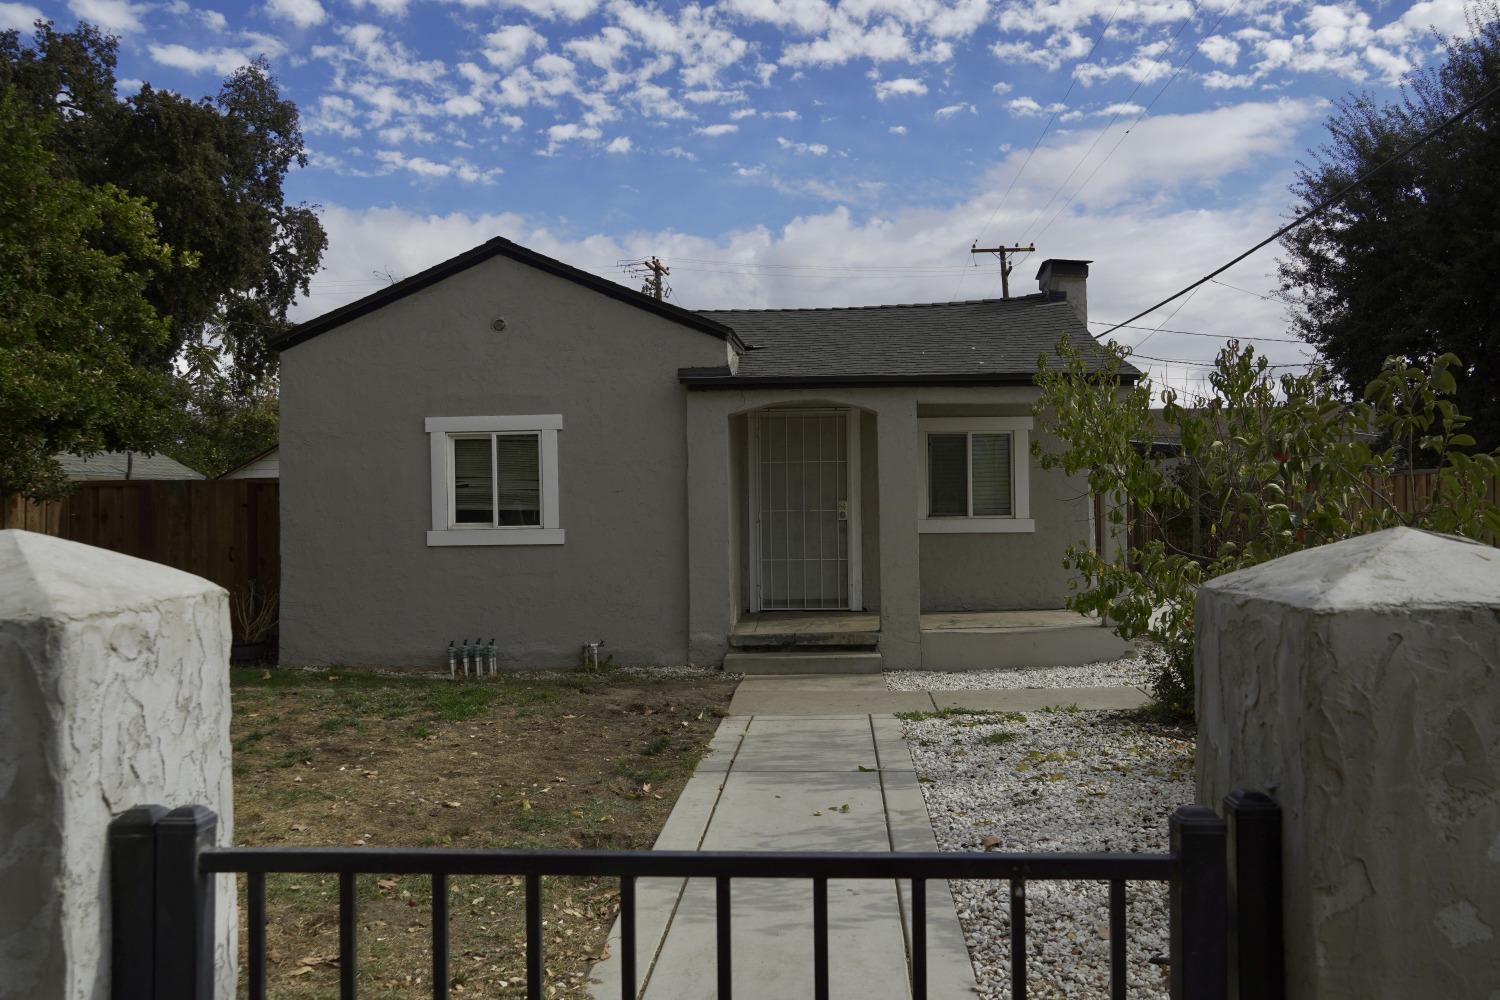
[
  {"x": 978, "y": 342},
  {"x": 112, "y": 465},
  {"x": 498, "y": 247},
  {"x": 266, "y": 465}
]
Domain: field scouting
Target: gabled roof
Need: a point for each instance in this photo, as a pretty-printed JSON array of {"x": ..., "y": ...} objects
[
  {"x": 499, "y": 246},
  {"x": 113, "y": 465},
  {"x": 978, "y": 342}
]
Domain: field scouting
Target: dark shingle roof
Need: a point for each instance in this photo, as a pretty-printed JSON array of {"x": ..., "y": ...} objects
[
  {"x": 985, "y": 341},
  {"x": 114, "y": 465}
]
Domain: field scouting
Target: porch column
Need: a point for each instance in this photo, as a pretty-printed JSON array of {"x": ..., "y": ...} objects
[
  {"x": 711, "y": 565},
  {"x": 900, "y": 561}
]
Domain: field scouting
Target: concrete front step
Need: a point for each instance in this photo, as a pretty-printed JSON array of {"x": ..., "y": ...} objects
[
  {"x": 831, "y": 641},
  {"x": 803, "y": 661}
]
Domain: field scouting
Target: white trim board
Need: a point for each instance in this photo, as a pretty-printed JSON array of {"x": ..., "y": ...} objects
[
  {"x": 441, "y": 432},
  {"x": 1020, "y": 520}
]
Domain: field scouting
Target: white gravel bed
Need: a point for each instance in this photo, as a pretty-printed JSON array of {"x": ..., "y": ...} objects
[
  {"x": 1056, "y": 781},
  {"x": 1127, "y": 671}
]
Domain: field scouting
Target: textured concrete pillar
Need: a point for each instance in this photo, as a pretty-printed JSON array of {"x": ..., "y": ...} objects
[
  {"x": 114, "y": 692},
  {"x": 1359, "y": 685},
  {"x": 900, "y": 555}
]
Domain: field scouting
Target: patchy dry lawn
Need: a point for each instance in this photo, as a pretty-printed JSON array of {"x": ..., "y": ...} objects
[{"x": 556, "y": 760}]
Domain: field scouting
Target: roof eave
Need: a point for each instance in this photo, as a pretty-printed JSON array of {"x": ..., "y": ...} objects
[
  {"x": 499, "y": 246},
  {"x": 699, "y": 380}
]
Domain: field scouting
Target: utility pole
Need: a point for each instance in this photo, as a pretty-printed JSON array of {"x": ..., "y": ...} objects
[
  {"x": 653, "y": 284},
  {"x": 1004, "y": 253}
]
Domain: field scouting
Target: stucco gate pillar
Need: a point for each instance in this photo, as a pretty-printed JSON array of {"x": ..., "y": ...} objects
[
  {"x": 114, "y": 692},
  {"x": 1359, "y": 684}
]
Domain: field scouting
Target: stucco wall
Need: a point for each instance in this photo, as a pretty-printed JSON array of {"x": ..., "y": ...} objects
[
  {"x": 1010, "y": 570},
  {"x": 359, "y": 583},
  {"x": 114, "y": 692},
  {"x": 1359, "y": 685}
]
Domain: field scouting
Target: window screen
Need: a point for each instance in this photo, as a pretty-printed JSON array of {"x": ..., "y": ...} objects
[
  {"x": 473, "y": 481},
  {"x": 518, "y": 459},
  {"x": 990, "y": 458},
  {"x": 947, "y": 475}
]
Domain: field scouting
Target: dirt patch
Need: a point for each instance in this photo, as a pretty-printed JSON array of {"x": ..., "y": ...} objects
[{"x": 521, "y": 761}]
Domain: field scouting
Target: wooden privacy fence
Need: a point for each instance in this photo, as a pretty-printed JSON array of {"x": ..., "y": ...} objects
[
  {"x": 225, "y": 530},
  {"x": 1406, "y": 492}
]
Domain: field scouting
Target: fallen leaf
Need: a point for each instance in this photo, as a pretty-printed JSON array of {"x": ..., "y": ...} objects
[
  {"x": 453, "y": 804},
  {"x": 386, "y": 883},
  {"x": 989, "y": 843},
  {"x": 301, "y": 971}
]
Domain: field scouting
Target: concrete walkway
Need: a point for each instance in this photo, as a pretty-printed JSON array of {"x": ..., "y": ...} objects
[
  {"x": 832, "y": 694},
  {"x": 795, "y": 783},
  {"x": 809, "y": 764}
]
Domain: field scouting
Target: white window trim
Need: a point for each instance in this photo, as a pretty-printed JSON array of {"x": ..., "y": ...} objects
[
  {"x": 440, "y": 431},
  {"x": 1019, "y": 520}
]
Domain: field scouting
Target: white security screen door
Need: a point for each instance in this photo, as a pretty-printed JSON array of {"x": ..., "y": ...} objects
[{"x": 801, "y": 470}]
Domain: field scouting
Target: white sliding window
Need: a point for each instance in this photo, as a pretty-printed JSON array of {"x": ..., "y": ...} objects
[
  {"x": 494, "y": 480},
  {"x": 976, "y": 477}
]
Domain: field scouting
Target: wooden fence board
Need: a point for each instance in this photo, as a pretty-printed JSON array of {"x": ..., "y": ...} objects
[{"x": 225, "y": 530}]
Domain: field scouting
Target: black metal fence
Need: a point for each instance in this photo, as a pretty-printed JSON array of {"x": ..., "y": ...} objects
[{"x": 1225, "y": 899}]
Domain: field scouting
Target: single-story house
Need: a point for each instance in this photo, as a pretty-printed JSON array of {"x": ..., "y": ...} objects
[
  {"x": 266, "y": 465},
  {"x": 119, "y": 465},
  {"x": 504, "y": 446}
]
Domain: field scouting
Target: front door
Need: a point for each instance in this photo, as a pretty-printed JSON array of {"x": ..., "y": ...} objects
[{"x": 802, "y": 464}]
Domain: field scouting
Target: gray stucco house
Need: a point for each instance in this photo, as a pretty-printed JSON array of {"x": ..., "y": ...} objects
[{"x": 507, "y": 446}]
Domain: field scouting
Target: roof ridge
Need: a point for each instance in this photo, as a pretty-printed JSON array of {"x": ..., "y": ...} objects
[{"x": 1037, "y": 298}]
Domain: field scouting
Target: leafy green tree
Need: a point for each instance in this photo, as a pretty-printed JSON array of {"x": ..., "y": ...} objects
[
  {"x": 213, "y": 172},
  {"x": 1267, "y": 465},
  {"x": 221, "y": 431},
  {"x": 75, "y": 265},
  {"x": 1404, "y": 265}
]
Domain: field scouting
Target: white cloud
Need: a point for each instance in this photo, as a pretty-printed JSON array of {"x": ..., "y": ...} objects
[
  {"x": 790, "y": 116},
  {"x": 219, "y": 61},
  {"x": 463, "y": 106},
  {"x": 678, "y": 153},
  {"x": 551, "y": 10},
  {"x": 118, "y": 16},
  {"x": 557, "y": 135},
  {"x": 432, "y": 170},
  {"x": 944, "y": 113},
  {"x": 509, "y": 45},
  {"x": 741, "y": 113},
  {"x": 1217, "y": 48},
  {"x": 900, "y": 87},
  {"x": 302, "y": 13},
  {"x": 1002, "y": 88},
  {"x": 619, "y": 144},
  {"x": 713, "y": 131},
  {"x": 1027, "y": 107},
  {"x": 18, "y": 17},
  {"x": 714, "y": 96},
  {"x": 897, "y": 130},
  {"x": 850, "y": 39},
  {"x": 804, "y": 148},
  {"x": 390, "y": 8}
]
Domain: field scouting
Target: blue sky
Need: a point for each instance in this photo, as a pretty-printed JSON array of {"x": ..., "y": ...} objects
[{"x": 804, "y": 152}]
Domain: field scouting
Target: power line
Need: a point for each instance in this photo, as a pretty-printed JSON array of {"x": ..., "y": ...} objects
[
  {"x": 1195, "y": 333},
  {"x": 1323, "y": 205},
  {"x": 1214, "y": 364},
  {"x": 1258, "y": 295},
  {"x": 1073, "y": 82},
  {"x": 1139, "y": 118},
  {"x": 1116, "y": 117}
]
